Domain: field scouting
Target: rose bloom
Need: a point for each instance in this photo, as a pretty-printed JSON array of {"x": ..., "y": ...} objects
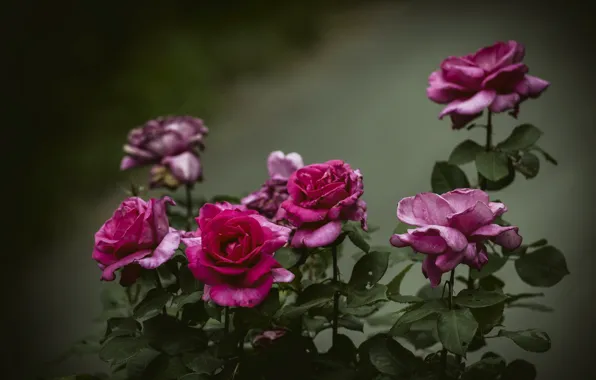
[
  {"x": 494, "y": 77},
  {"x": 171, "y": 144},
  {"x": 322, "y": 196},
  {"x": 452, "y": 228},
  {"x": 136, "y": 236},
  {"x": 268, "y": 199},
  {"x": 232, "y": 254}
]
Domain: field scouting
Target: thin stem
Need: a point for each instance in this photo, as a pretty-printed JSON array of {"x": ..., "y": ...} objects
[
  {"x": 189, "y": 214},
  {"x": 159, "y": 286},
  {"x": 335, "y": 323},
  {"x": 450, "y": 305},
  {"x": 226, "y": 320}
]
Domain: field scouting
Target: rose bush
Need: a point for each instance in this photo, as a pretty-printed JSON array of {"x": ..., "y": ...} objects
[
  {"x": 452, "y": 228},
  {"x": 322, "y": 196},
  {"x": 234, "y": 255},
  {"x": 494, "y": 77},
  {"x": 137, "y": 236}
]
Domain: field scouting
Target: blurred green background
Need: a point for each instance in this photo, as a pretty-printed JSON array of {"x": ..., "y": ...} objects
[{"x": 328, "y": 79}]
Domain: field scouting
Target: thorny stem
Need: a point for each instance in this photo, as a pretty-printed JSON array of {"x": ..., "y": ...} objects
[
  {"x": 189, "y": 214},
  {"x": 334, "y": 325}
]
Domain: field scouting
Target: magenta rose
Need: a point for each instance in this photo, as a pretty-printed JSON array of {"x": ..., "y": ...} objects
[
  {"x": 232, "y": 253},
  {"x": 137, "y": 236},
  {"x": 322, "y": 196},
  {"x": 452, "y": 228},
  {"x": 171, "y": 145},
  {"x": 494, "y": 77},
  {"x": 268, "y": 199}
]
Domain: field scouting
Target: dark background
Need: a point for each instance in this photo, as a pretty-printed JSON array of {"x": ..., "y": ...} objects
[{"x": 79, "y": 75}]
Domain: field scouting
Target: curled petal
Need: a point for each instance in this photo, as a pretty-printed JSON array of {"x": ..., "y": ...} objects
[
  {"x": 424, "y": 209},
  {"x": 475, "y": 255},
  {"x": 281, "y": 165},
  {"x": 431, "y": 271},
  {"x": 128, "y": 162},
  {"x": 164, "y": 251},
  {"x": 497, "y": 208},
  {"x": 449, "y": 260},
  {"x": 282, "y": 275},
  {"x": 317, "y": 236},
  {"x": 471, "y": 219},
  {"x": 186, "y": 167},
  {"x": 191, "y": 239},
  {"x": 531, "y": 86},
  {"x": 505, "y": 102},
  {"x": 298, "y": 215},
  {"x": 462, "y": 199},
  {"x": 471, "y": 106},
  {"x": 504, "y": 236},
  {"x": 109, "y": 271},
  {"x": 431, "y": 239},
  {"x": 442, "y": 92},
  {"x": 226, "y": 295}
]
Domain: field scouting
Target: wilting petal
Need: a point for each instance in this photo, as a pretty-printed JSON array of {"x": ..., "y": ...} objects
[
  {"x": 531, "y": 86},
  {"x": 186, "y": 167},
  {"x": 505, "y": 102},
  {"x": 462, "y": 199},
  {"x": 164, "y": 251},
  {"x": 509, "y": 239},
  {"x": 280, "y": 165},
  {"x": 431, "y": 239},
  {"x": 471, "y": 219},
  {"x": 317, "y": 237},
  {"x": 470, "y": 106},
  {"x": 282, "y": 275},
  {"x": 424, "y": 209},
  {"x": 109, "y": 271},
  {"x": 431, "y": 271},
  {"x": 226, "y": 295}
]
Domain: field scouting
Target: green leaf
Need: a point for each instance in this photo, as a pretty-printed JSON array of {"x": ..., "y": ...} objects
[
  {"x": 287, "y": 257},
  {"x": 532, "y": 340},
  {"x": 121, "y": 326},
  {"x": 456, "y": 329},
  {"x": 350, "y": 322},
  {"x": 491, "y": 283},
  {"x": 505, "y": 181},
  {"x": 546, "y": 156},
  {"x": 404, "y": 298},
  {"x": 446, "y": 177},
  {"x": 393, "y": 288},
  {"x": 184, "y": 299},
  {"x": 528, "y": 165},
  {"x": 362, "y": 297},
  {"x": 369, "y": 270},
  {"x": 492, "y": 165},
  {"x": 391, "y": 358},
  {"x": 343, "y": 349},
  {"x": 194, "y": 376},
  {"x": 495, "y": 262},
  {"x": 465, "y": 152},
  {"x": 152, "y": 304},
  {"x": 314, "y": 296},
  {"x": 356, "y": 235},
  {"x": 427, "y": 292},
  {"x": 532, "y": 306},
  {"x": 520, "y": 370},
  {"x": 522, "y": 137},
  {"x": 171, "y": 336},
  {"x": 213, "y": 310},
  {"x": 488, "y": 317},
  {"x": 271, "y": 304},
  {"x": 488, "y": 368},
  {"x": 544, "y": 267},
  {"x": 417, "y": 313},
  {"x": 478, "y": 298},
  {"x": 138, "y": 366},
  {"x": 120, "y": 349},
  {"x": 516, "y": 297},
  {"x": 188, "y": 282},
  {"x": 202, "y": 362}
]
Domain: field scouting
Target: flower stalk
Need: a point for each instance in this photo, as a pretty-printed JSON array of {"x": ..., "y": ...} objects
[{"x": 335, "y": 323}]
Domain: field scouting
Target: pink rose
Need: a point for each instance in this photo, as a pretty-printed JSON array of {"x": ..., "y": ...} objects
[
  {"x": 452, "y": 228},
  {"x": 232, "y": 254},
  {"x": 321, "y": 197},
  {"x": 494, "y": 77},
  {"x": 136, "y": 236},
  {"x": 268, "y": 199},
  {"x": 171, "y": 144}
]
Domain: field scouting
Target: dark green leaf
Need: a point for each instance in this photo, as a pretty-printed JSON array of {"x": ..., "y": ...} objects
[
  {"x": 287, "y": 257},
  {"x": 184, "y": 299},
  {"x": 194, "y": 376},
  {"x": 113, "y": 296},
  {"x": 314, "y": 296},
  {"x": 456, "y": 329},
  {"x": 404, "y": 298},
  {"x": 120, "y": 349},
  {"x": 491, "y": 283},
  {"x": 520, "y": 370},
  {"x": 538, "y": 243},
  {"x": 194, "y": 313},
  {"x": 427, "y": 292},
  {"x": 545, "y": 267},
  {"x": 369, "y": 270},
  {"x": 446, "y": 177},
  {"x": 137, "y": 367},
  {"x": 343, "y": 349},
  {"x": 188, "y": 282},
  {"x": 478, "y": 298},
  {"x": 417, "y": 313},
  {"x": 546, "y": 156},
  {"x": 522, "y": 137},
  {"x": 350, "y": 322},
  {"x": 122, "y": 326},
  {"x": 488, "y": 368},
  {"x": 358, "y": 298},
  {"x": 356, "y": 235},
  {"x": 171, "y": 336},
  {"x": 391, "y": 358},
  {"x": 488, "y": 317},
  {"x": 271, "y": 304},
  {"x": 213, "y": 310},
  {"x": 152, "y": 304},
  {"x": 516, "y": 297},
  {"x": 495, "y": 262},
  {"x": 393, "y": 288},
  {"x": 532, "y": 340},
  {"x": 202, "y": 362},
  {"x": 492, "y": 165},
  {"x": 465, "y": 152},
  {"x": 503, "y": 182},
  {"x": 528, "y": 165},
  {"x": 532, "y": 306}
]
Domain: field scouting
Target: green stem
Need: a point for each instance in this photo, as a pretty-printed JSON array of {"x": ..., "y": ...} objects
[
  {"x": 159, "y": 286},
  {"x": 189, "y": 213},
  {"x": 226, "y": 320},
  {"x": 450, "y": 305},
  {"x": 335, "y": 322}
]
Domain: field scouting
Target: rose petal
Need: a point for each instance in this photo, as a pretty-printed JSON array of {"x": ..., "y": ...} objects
[
  {"x": 164, "y": 251},
  {"x": 531, "y": 86},
  {"x": 282, "y": 166},
  {"x": 128, "y": 162},
  {"x": 462, "y": 199},
  {"x": 470, "y": 106},
  {"x": 463, "y": 72},
  {"x": 442, "y": 92},
  {"x": 431, "y": 239},
  {"x": 298, "y": 215},
  {"x": 262, "y": 268},
  {"x": 226, "y": 295},
  {"x": 497, "y": 208},
  {"x": 475, "y": 256},
  {"x": 505, "y": 102},
  {"x": 282, "y": 275},
  {"x": 186, "y": 167},
  {"x": 317, "y": 237},
  {"x": 109, "y": 271},
  {"x": 471, "y": 219},
  {"x": 504, "y": 236},
  {"x": 459, "y": 121},
  {"x": 431, "y": 271},
  {"x": 449, "y": 260}
]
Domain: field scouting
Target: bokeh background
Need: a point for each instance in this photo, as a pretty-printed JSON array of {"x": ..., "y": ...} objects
[{"x": 328, "y": 79}]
